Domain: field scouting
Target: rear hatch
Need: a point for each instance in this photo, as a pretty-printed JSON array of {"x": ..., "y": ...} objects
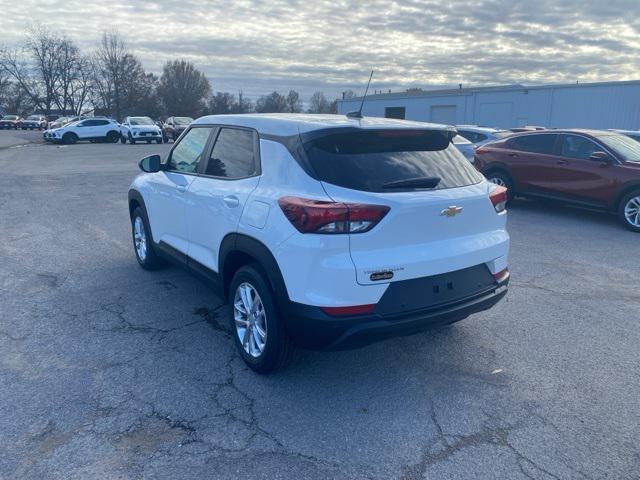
[{"x": 440, "y": 217}]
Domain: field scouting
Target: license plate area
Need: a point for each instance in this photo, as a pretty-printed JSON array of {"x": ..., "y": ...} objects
[{"x": 435, "y": 291}]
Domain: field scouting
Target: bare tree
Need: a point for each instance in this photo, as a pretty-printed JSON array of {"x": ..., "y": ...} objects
[
  {"x": 67, "y": 65},
  {"x": 14, "y": 65},
  {"x": 5, "y": 86},
  {"x": 46, "y": 69},
  {"x": 244, "y": 105},
  {"x": 183, "y": 88},
  {"x": 347, "y": 94},
  {"x": 45, "y": 49},
  {"x": 318, "y": 103},
  {"x": 82, "y": 84},
  {"x": 15, "y": 100},
  {"x": 294, "y": 103},
  {"x": 111, "y": 64}
]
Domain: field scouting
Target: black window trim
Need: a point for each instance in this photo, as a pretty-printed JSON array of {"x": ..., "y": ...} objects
[
  {"x": 554, "y": 150},
  {"x": 257, "y": 161}
]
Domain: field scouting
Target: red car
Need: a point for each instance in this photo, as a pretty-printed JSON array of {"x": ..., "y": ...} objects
[{"x": 592, "y": 168}]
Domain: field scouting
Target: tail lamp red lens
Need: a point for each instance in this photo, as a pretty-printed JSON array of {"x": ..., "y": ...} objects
[
  {"x": 481, "y": 150},
  {"x": 498, "y": 197},
  {"x": 315, "y": 216}
]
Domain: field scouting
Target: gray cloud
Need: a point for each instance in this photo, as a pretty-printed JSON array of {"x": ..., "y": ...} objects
[{"x": 259, "y": 46}]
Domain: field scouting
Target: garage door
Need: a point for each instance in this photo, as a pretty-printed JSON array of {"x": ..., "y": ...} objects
[{"x": 443, "y": 114}]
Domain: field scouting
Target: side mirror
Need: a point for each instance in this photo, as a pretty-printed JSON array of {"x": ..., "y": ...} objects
[
  {"x": 601, "y": 157},
  {"x": 150, "y": 164}
]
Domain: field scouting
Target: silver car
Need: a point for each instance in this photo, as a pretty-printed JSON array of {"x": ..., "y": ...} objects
[
  {"x": 467, "y": 148},
  {"x": 481, "y": 135},
  {"x": 635, "y": 134}
]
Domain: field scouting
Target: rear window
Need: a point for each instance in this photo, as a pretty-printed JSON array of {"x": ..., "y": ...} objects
[
  {"x": 371, "y": 161},
  {"x": 543, "y": 143}
]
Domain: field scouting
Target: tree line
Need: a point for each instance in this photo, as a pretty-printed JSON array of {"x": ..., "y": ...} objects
[{"x": 48, "y": 73}]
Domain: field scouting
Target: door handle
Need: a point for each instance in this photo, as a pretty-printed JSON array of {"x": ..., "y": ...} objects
[
  {"x": 231, "y": 201},
  {"x": 562, "y": 162},
  {"x": 181, "y": 188},
  {"x": 513, "y": 154}
]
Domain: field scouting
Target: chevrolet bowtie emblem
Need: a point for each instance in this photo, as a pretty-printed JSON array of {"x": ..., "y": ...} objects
[{"x": 451, "y": 211}]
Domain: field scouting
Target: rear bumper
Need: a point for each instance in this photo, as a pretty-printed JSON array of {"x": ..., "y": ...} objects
[{"x": 311, "y": 328}]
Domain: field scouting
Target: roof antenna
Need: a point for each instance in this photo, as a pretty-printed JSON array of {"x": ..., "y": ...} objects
[{"x": 358, "y": 114}]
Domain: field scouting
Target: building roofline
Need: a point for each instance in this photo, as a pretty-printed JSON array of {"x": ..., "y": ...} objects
[{"x": 492, "y": 88}]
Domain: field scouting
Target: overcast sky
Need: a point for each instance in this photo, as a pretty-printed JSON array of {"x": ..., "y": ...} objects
[{"x": 259, "y": 46}]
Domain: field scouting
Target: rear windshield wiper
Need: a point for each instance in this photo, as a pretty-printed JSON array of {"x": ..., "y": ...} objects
[{"x": 421, "y": 182}]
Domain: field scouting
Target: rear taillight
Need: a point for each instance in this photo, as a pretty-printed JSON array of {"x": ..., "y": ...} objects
[
  {"x": 348, "y": 311},
  {"x": 499, "y": 197},
  {"x": 501, "y": 276},
  {"x": 315, "y": 216},
  {"x": 481, "y": 150}
]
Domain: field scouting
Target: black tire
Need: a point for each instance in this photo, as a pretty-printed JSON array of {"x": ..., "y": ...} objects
[
  {"x": 151, "y": 260},
  {"x": 279, "y": 349},
  {"x": 69, "y": 138},
  {"x": 159, "y": 141},
  {"x": 622, "y": 206},
  {"x": 113, "y": 137},
  {"x": 131, "y": 140},
  {"x": 501, "y": 177},
  {"x": 123, "y": 139}
]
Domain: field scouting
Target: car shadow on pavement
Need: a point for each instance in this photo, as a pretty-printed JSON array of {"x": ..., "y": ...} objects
[{"x": 560, "y": 212}]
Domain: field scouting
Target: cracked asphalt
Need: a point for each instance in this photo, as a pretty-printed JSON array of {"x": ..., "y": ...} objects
[{"x": 111, "y": 372}]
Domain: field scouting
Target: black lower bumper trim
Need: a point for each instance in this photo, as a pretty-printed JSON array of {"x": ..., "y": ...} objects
[{"x": 311, "y": 328}]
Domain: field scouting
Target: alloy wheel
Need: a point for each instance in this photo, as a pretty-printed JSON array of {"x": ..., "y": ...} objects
[
  {"x": 498, "y": 181},
  {"x": 632, "y": 211},
  {"x": 140, "y": 239},
  {"x": 250, "y": 319}
]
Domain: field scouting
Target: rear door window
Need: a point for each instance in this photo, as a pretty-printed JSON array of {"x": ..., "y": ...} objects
[
  {"x": 234, "y": 154},
  {"x": 534, "y": 143},
  {"x": 374, "y": 160}
]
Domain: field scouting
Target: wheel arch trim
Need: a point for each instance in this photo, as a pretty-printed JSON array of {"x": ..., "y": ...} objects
[
  {"x": 240, "y": 243},
  {"x": 625, "y": 190}
]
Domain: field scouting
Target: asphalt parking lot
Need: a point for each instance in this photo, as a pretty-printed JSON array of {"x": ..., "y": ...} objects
[{"x": 111, "y": 372}]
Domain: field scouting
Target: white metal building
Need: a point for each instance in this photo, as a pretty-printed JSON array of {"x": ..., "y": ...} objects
[{"x": 585, "y": 105}]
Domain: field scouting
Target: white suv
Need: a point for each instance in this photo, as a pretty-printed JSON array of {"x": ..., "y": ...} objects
[
  {"x": 324, "y": 231},
  {"x": 94, "y": 129},
  {"x": 140, "y": 129}
]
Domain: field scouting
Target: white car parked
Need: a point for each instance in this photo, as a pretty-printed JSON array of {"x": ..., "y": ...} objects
[
  {"x": 33, "y": 122},
  {"x": 140, "y": 129},
  {"x": 95, "y": 129},
  {"x": 324, "y": 231}
]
